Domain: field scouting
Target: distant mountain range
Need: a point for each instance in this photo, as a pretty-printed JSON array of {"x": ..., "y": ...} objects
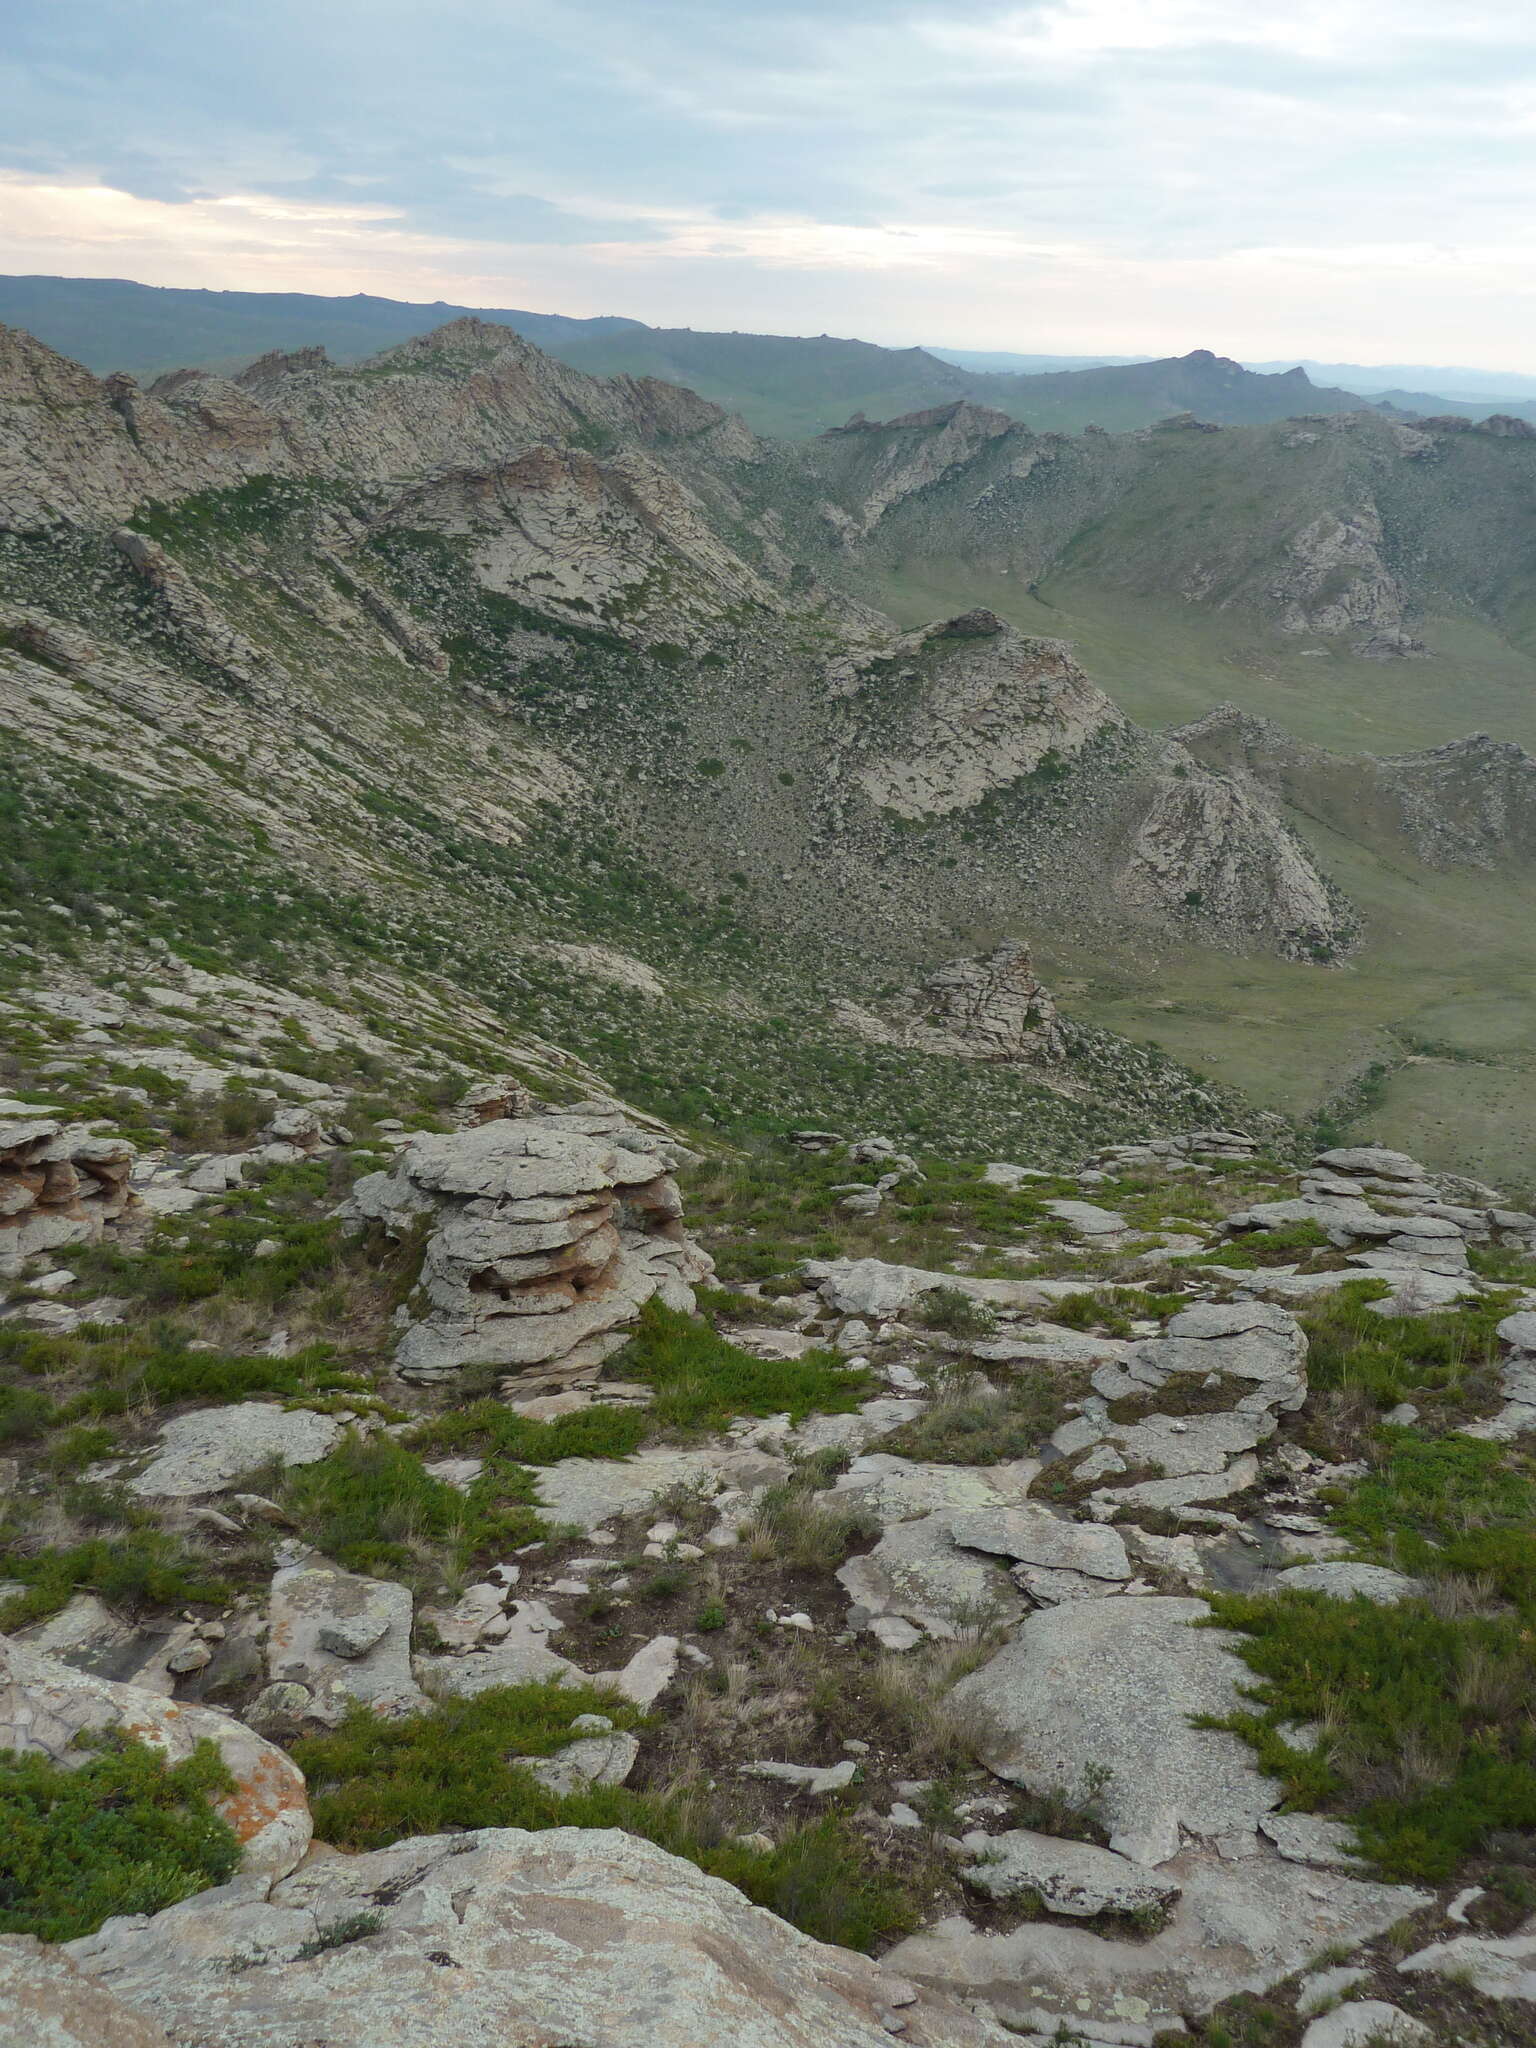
[{"x": 790, "y": 386}]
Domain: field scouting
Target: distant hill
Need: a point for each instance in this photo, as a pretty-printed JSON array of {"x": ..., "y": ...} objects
[
  {"x": 111, "y": 323},
  {"x": 790, "y": 386}
]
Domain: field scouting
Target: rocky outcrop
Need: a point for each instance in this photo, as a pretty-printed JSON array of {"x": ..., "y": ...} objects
[
  {"x": 573, "y": 1936},
  {"x": 1214, "y": 845},
  {"x": 966, "y": 707},
  {"x": 59, "y": 1185},
  {"x": 621, "y": 537},
  {"x": 1470, "y": 803},
  {"x": 543, "y": 1241},
  {"x": 992, "y": 1008},
  {"x": 45, "y": 1705}
]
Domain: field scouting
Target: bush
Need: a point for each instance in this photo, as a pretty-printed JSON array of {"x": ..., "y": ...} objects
[
  {"x": 372, "y": 1782},
  {"x": 125, "y": 1832},
  {"x": 970, "y": 1425},
  {"x": 136, "y": 1567},
  {"x": 373, "y": 1507},
  {"x": 952, "y": 1309}
]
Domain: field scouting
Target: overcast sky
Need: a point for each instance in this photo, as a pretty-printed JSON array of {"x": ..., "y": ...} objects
[{"x": 1346, "y": 179}]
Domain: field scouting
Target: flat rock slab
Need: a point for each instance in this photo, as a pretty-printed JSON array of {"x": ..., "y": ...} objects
[
  {"x": 1238, "y": 1926},
  {"x": 502, "y": 1936},
  {"x": 1364, "y": 2023},
  {"x": 587, "y": 1492},
  {"x": 207, "y": 1450},
  {"x": 1342, "y": 1580},
  {"x": 916, "y": 1572},
  {"x": 900, "y": 1490},
  {"x": 1110, "y": 1685},
  {"x": 1075, "y": 1878},
  {"x": 1498, "y": 1968},
  {"x": 344, "y": 1636},
  {"x": 1034, "y": 1536},
  {"x": 1088, "y": 1219}
]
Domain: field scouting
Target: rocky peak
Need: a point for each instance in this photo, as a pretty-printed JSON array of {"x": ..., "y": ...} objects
[{"x": 994, "y": 1007}]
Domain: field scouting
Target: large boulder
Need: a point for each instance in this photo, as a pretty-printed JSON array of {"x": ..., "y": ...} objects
[
  {"x": 544, "y": 1240},
  {"x": 44, "y": 1705},
  {"x": 574, "y": 1938},
  {"x": 48, "y": 2003}
]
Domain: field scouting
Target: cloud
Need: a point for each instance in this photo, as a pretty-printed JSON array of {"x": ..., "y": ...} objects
[{"x": 1338, "y": 177}]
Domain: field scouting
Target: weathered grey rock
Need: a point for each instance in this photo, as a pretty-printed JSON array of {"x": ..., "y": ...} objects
[
  {"x": 47, "y": 2003},
  {"x": 1519, "y": 1331},
  {"x": 1109, "y": 1685},
  {"x": 1241, "y": 1925},
  {"x": 1364, "y": 2023},
  {"x": 1345, "y": 1581},
  {"x": 1255, "y": 1343},
  {"x": 1498, "y": 1968},
  {"x": 209, "y": 1449},
  {"x": 502, "y": 1937},
  {"x": 916, "y": 1572},
  {"x": 44, "y": 1705},
  {"x": 1035, "y": 1536},
  {"x": 1075, "y": 1878},
  {"x": 1189, "y": 1487},
  {"x": 1087, "y": 1219},
  {"x": 586, "y": 1492},
  {"x": 1371, "y": 1159},
  {"x": 546, "y": 1240},
  {"x": 595, "y": 1760},
  {"x": 343, "y": 1636},
  {"x": 1311, "y": 1838},
  {"x": 990, "y": 1008},
  {"x": 1322, "y": 1988},
  {"x": 900, "y": 1490},
  {"x": 817, "y": 1779}
]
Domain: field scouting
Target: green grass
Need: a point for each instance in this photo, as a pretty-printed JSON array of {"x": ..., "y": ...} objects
[
  {"x": 1428, "y": 1743},
  {"x": 136, "y": 1567},
  {"x": 124, "y": 1832},
  {"x": 372, "y": 1782},
  {"x": 373, "y": 1507},
  {"x": 1449, "y": 1506},
  {"x": 1443, "y": 1362}
]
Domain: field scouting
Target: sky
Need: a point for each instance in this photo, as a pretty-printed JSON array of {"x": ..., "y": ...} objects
[{"x": 1344, "y": 179}]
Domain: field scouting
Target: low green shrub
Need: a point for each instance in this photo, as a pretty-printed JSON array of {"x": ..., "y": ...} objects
[
  {"x": 373, "y": 1507},
  {"x": 1428, "y": 1746},
  {"x": 953, "y": 1310},
  {"x": 124, "y": 1832},
  {"x": 372, "y": 1782},
  {"x": 969, "y": 1426},
  {"x": 137, "y": 1566}
]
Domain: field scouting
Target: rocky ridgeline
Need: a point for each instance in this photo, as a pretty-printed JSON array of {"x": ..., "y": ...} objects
[{"x": 1077, "y": 1569}]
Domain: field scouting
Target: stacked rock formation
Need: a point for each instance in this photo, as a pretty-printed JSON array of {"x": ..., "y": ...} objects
[
  {"x": 59, "y": 1184},
  {"x": 548, "y": 1234},
  {"x": 993, "y": 1008}
]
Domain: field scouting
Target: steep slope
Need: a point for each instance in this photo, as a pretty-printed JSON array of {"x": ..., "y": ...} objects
[
  {"x": 1470, "y": 804},
  {"x": 1348, "y": 527}
]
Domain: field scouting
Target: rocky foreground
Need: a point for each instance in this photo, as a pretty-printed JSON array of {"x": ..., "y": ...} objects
[{"x": 925, "y": 1581}]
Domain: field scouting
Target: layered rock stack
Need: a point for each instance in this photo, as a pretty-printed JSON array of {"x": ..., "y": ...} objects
[
  {"x": 547, "y": 1235},
  {"x": 994, "y": 1008},
  {"x": 59, "y": 1184}
]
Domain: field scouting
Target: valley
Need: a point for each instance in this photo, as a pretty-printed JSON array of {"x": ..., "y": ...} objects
[{"x": 743, "y": 1173}]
